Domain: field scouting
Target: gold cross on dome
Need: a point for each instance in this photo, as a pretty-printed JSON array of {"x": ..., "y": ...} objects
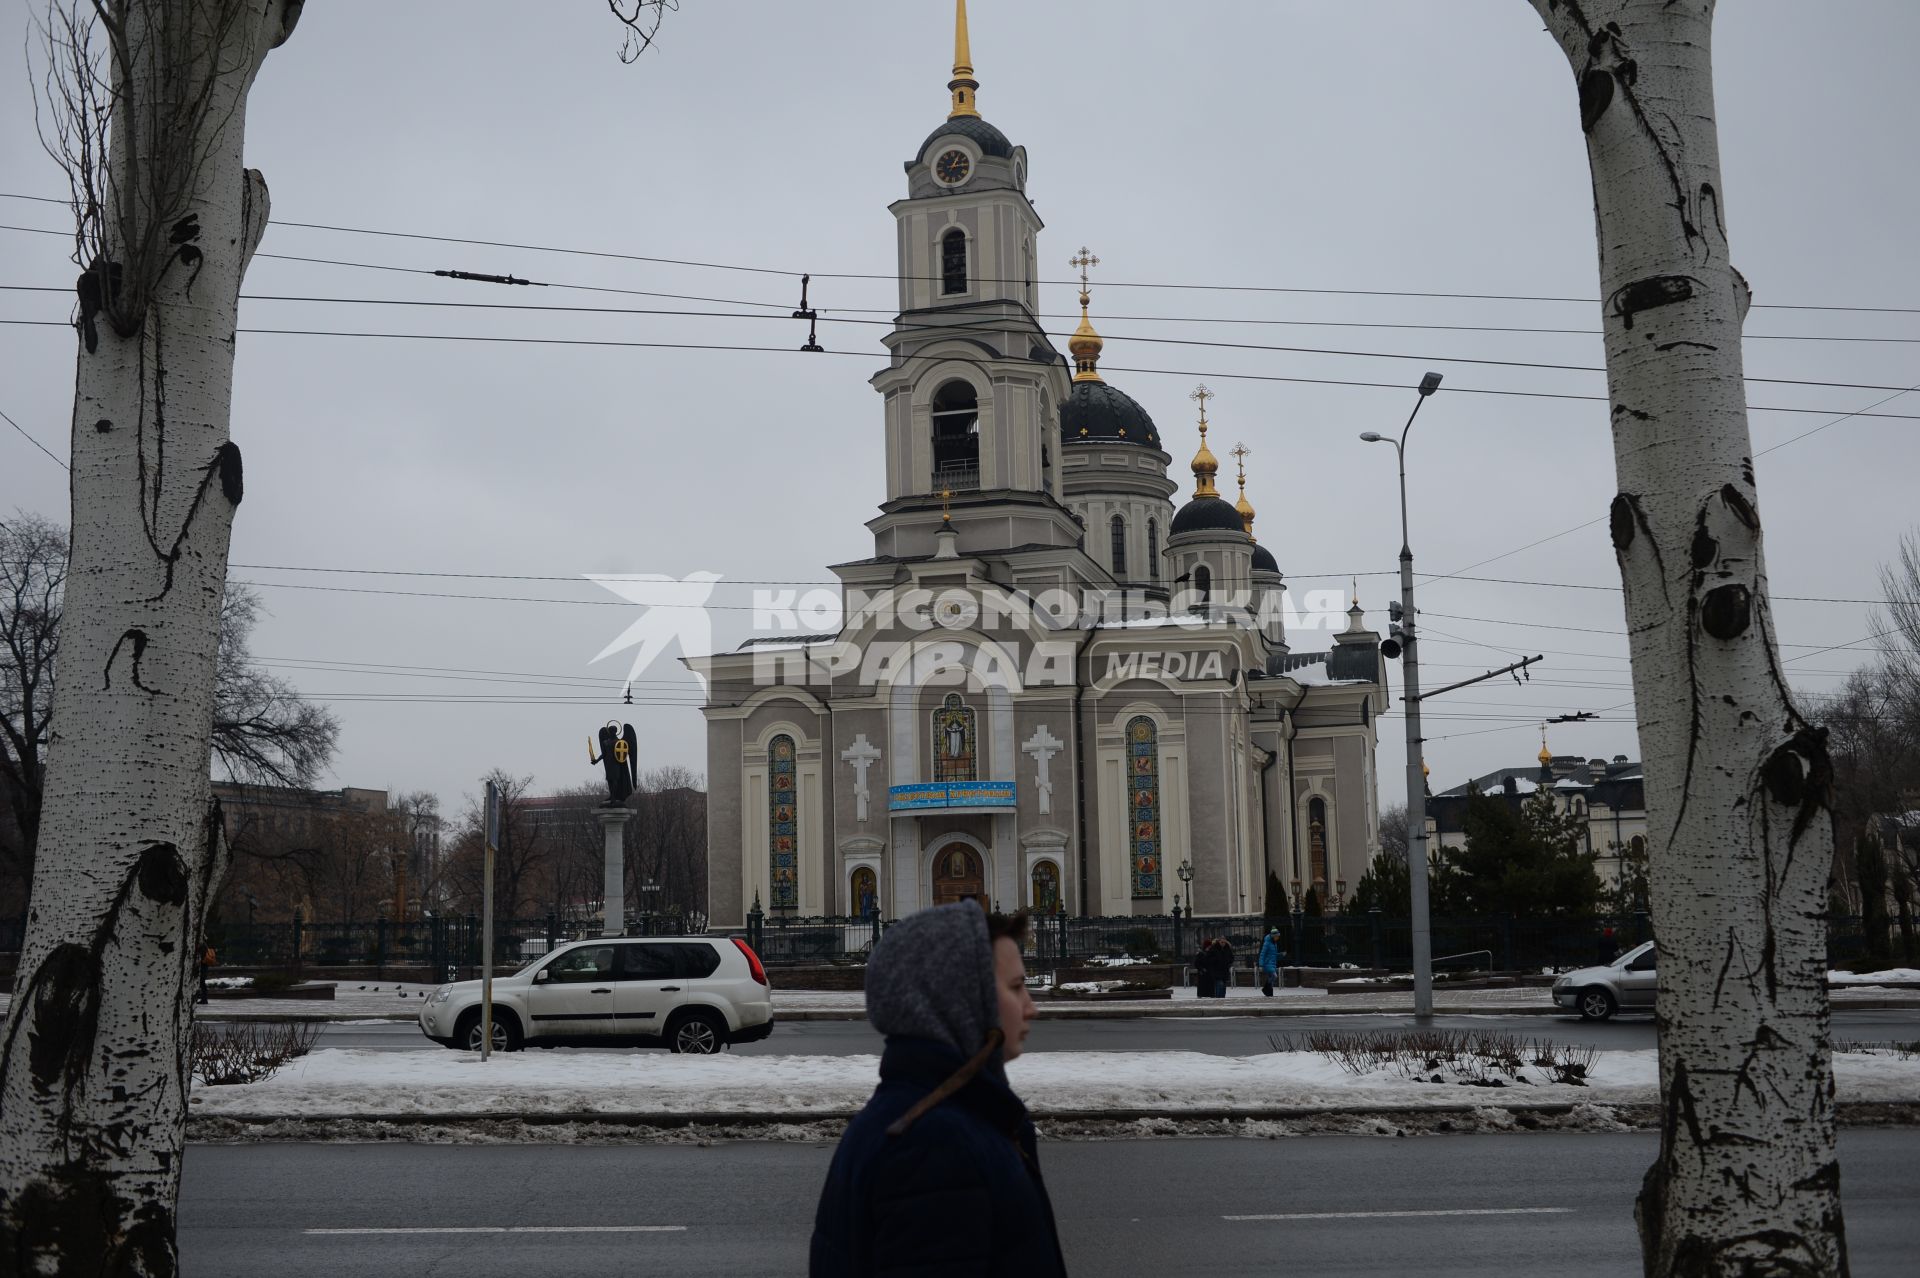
[
  {"x": 1083, "y": 259},
  {"x": 1201, "y": 395},
  {"x": 1240, "y": 453}
]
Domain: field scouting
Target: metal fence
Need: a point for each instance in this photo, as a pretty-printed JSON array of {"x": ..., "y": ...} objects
[
  {"x": 452, "y": 941},
  {"x": 1370, "y": 940}
]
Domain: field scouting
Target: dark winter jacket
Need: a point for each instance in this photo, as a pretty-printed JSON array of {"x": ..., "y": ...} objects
[
  {"x": 950, "y": 1188},
  {"x": 957, "y": 1194}
]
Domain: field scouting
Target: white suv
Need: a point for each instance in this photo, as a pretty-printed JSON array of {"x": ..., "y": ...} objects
[{"x": 687, "y": 993}]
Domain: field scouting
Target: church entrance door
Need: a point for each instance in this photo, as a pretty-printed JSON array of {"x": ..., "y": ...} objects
[{"x": 957, "y": 875}]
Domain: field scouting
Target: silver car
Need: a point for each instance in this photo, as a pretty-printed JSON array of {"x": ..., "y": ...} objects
[
  {"x": 1628, "y": 984},
  {"x": 687, "y": 994}
]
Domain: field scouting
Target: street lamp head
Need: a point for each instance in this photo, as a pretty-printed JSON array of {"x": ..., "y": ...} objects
[
  {"x": 1374, "y": 437},
  {"x": 1429, "y": 384}
]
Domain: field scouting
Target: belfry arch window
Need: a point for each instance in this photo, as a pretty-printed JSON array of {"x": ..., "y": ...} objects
[
  {"x": 1153, "y": 551},
  {"x": 953, "y": 261},
  {"x": 956, "y": 437},
  {"x": 1118, "y": 527},
  {"x": 1202, "y": 588}
]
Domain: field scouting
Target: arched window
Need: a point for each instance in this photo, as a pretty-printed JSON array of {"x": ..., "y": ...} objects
[
  {"x": 864, "y": 897},
  {"x": 1045, "y": 898},
  {"x": 1144, "y": 846},
  {"x": 1153, "y": 551},
  {"x": 1118, "y": 530},
  {"x": 783, "y": 825},
  {"x": 1317, "y": 842},
  {"x": 1202, "y": 588},
  {"x": 954, "y": 755},
  {"x": 953, "y": 261},
  {"x": 956, "y": 437}
]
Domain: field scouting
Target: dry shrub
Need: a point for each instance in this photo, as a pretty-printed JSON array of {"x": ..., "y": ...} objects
[
  {"x": 221, "y": 1053},
  {"x": 1470, "y": 1057}
]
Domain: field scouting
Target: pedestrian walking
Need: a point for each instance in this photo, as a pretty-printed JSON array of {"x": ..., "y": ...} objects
[
  {"x": 1269, "y": 962},
  {"x": 939, "y": 1173},
  {"x": 208, "y": 960},
  {"x": 1223, "y": 965}
]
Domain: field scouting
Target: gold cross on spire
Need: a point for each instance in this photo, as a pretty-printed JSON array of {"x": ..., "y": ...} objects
[
  {"x": 1085, "y": 343},
  {"x": 1205, "y": 465},
  {"x": 1240, "y": 453},
  {"x": 946, "y": 513},
  {"x": 1201, "y": 395},
  {"x": 1083, "y": 259}
]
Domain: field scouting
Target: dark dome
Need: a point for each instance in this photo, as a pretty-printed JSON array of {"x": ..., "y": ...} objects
[
  {"x": 990, "y": 140},
  {"x": 1204, "y": 514},
  {"x": 1096, "y": 411},
  {"x": 1263, "y": 560}
]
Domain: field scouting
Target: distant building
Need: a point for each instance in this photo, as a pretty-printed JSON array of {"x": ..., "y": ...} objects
[{"x": 1610, "y": 794}]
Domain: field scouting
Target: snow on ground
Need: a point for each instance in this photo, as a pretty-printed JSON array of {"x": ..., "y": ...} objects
[
  {"x": 1897, "y": 974},
  {"x": 336, "y": 1083}
]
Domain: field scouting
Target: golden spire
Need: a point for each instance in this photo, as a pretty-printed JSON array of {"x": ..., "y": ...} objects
[
  {"x": 965, "y": 88},
  {"x": 1545, "y": 756},
  {"x": 1205, "y": 464},
  {"x": 946, "y": 511},
  {"x": 1085, "y": 344},
  {"x": 1245, "y": 507}
]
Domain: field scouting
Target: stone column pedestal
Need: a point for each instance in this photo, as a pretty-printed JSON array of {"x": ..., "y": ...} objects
[{"x": 613, "y": 824}]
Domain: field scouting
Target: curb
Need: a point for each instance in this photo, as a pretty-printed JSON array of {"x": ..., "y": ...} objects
[{"x": 1632, "y": 1113}]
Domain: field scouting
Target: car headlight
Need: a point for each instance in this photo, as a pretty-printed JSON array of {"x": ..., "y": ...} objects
[{"x": 440, "y": 995}]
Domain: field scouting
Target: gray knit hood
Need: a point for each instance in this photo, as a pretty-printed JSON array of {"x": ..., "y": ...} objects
[{"x": 931, "y": 977}]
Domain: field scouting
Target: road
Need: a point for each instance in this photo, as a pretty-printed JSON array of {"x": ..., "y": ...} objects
[
  {"x": 1218, "y": 1036},
  {"x": 1538, "y": 1203}
]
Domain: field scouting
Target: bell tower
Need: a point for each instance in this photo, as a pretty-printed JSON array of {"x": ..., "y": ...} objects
[{"x": 974, "y": 390}]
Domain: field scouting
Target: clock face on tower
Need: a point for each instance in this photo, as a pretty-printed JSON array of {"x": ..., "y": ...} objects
[{"x": 952, "y": 168}]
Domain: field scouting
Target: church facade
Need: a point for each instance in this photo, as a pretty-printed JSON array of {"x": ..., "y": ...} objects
[{"x": 1059, "y": 683}]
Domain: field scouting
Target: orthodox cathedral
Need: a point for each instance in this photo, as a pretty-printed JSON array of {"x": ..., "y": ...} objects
[{"x": 1058, "y": 683}]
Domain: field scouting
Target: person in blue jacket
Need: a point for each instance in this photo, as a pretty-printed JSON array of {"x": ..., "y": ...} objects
[
  {"x": 938, "y": 1175},
  {"x": 1270, "y": 962}
]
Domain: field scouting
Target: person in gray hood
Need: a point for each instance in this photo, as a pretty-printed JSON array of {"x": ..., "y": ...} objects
[{"x": 938, "y": 1175}]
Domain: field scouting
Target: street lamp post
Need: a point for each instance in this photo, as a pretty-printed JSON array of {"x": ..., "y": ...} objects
[{"x": 1416, "y": 774}]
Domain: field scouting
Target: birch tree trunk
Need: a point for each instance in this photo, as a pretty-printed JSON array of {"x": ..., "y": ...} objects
[
  {"x": 1738, "y": 783},
  {"x": 150, "y": 108}
]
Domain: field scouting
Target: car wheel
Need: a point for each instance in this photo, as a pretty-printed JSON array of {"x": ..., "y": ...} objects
[
  {"x": 698, "y": 1034},
  {"x": 1596, "y": 1004},
  {"x": 506, "y": 1033}
]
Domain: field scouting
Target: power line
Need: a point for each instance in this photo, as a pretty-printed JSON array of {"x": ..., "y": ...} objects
[
  {"x": 737, "y": 348},
  {"x": 36, "y": 443},
  {"x": 976, "y": 329},
  {"x": 890, "y": 276}
]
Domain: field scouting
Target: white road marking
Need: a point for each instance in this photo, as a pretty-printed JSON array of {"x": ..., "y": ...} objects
[
  {"x": 510, "y": 1229},
  {"x": 1376, "y": 1215}
]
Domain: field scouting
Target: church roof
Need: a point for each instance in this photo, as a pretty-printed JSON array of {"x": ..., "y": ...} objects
[
  {"x": 1208, "y": 513},
  {"x": 1097, "y": 412},
  {"x": 1263, "y": 560},
  {"x": 990, "y": 140}
]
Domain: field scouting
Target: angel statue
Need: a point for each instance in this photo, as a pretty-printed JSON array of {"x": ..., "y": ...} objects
[{"x": 619, "y": 753}]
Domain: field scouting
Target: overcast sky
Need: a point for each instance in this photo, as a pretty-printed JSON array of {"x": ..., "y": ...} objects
[{"x": 1379, "y": 145}]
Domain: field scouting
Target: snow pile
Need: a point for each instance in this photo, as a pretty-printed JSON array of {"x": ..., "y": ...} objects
[
  {"x": 1094, "y": 987},
  {"x": 1125, "y": 960},
  {"x": 336, "y": 1083},
  {"x": 1908, "y": 975}
]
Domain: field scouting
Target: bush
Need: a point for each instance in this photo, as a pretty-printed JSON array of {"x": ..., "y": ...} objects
[
  {"x": 273, "y": 982},
  {"x": 219, "y": 1054},
  {"x": 1140, "y": 943}
]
